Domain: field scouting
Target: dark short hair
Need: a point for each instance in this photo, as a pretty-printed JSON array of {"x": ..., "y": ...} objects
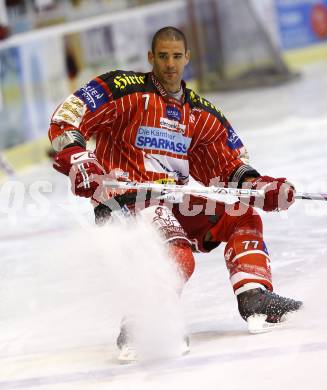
[{"x": 168, "y": 33}]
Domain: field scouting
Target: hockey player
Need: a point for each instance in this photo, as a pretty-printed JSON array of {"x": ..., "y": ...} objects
[{"x": 150, "y": 127}]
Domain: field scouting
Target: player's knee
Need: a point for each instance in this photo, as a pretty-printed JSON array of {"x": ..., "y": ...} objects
[
  {"x": 181, "y": 252},
  {"x": 251, "y": 220}
]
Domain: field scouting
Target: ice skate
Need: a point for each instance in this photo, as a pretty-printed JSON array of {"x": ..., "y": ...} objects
[
  {"x": 127, "y": 349},
  {"x": 185, "y": 346},
  {"x": 264, "y": 310},
  {"x": 127, "y": 352}
]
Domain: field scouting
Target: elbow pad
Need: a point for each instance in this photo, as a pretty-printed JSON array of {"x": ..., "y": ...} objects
[{"x": 68, "y": 138}]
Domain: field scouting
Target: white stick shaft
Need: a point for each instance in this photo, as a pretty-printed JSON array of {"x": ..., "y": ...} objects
[
  {"x": 204, "y": 191},
  {"x": 311, "y": 196}
]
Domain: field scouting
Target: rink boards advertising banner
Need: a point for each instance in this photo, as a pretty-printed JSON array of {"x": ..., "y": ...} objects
[{"x": 302, "y": 22}]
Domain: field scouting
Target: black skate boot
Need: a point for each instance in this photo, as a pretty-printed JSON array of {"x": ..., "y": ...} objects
[
  {"x": 124, "y": 342},
  {"x": 271, "y": 308}
]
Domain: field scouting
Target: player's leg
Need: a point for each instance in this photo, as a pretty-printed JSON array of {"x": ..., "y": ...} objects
[
  {"x": 246, "y": 255},
  {"x": 173, "y": 235},
  {"x": 248, "y": 262},
  {"x": 179, "y": 249}
]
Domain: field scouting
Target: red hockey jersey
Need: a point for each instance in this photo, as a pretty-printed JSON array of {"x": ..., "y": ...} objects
[{"x": 141, "y": 130}]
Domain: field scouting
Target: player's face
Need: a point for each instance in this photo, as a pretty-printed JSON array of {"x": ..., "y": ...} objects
[{"x": 168, "y": 62}]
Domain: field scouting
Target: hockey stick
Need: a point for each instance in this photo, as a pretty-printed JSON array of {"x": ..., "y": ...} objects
[
  {"x": 204, "y": 191},
  {"x": 311, "y": 196},
  {"x": 173, "y": 188}
]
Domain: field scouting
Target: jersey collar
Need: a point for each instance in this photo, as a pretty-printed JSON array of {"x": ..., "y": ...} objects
[{"x": 165, "y": 95}]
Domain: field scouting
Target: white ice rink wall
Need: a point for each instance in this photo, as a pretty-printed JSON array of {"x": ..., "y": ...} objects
[{"x": 39, "y": 68}]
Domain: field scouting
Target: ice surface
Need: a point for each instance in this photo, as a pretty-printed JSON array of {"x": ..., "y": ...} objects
[{"x": 61, "y": 279}]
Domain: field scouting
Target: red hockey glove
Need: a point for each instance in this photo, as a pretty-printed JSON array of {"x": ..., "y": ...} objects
[
  {"x": 82, "y": 168},
  {"x": 279, "y": 193}
]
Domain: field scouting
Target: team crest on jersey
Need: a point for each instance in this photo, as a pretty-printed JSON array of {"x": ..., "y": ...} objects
[
  {"x": 173, "y": 113},
  {"x": 93, "y": 95},
  {"x": 233, "y": 140},
  {"x": 71, "y": 111}
]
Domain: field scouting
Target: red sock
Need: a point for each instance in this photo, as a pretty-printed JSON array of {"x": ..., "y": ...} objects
[{"x": 181, "y": 252}]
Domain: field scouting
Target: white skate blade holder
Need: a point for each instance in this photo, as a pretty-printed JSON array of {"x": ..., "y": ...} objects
[
  {"x": 257, "y": 324},
  {"x": 127, "y": 355}
]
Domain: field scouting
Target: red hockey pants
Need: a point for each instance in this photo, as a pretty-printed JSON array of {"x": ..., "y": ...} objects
[{"x": 238, "y": 225}]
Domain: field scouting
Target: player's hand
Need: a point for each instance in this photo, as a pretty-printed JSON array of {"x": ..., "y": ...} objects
[
  {"x": 82, "y": 168},
  {"x": 278, "y": 193},
  {"x": 104, "y": 193}
]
